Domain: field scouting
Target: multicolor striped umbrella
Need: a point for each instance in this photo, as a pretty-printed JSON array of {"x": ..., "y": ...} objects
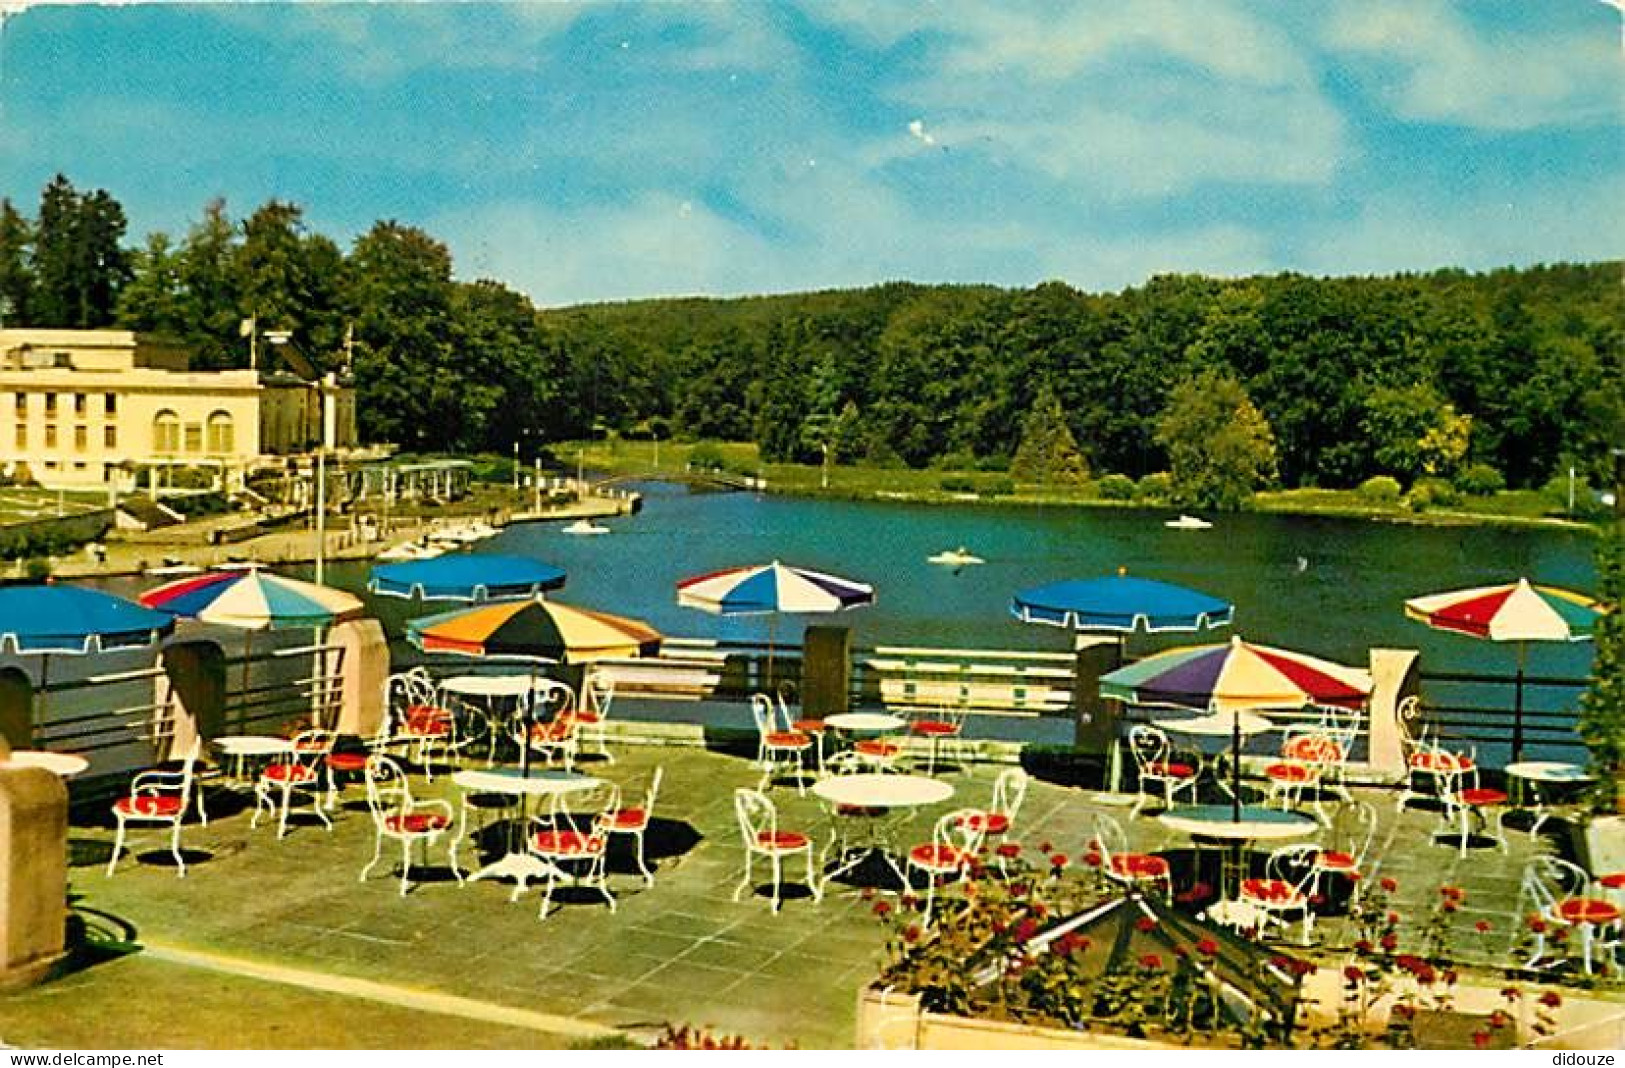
[
  {"x": 1519, "y": 612},
  {"x": 536, "y": 629},
  {"x": 1235, "y": 677},
  {"x": 769, "y": 588},
  {"x": 252, "y": 599}
]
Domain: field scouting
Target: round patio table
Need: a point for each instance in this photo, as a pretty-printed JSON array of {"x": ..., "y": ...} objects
[
  {"x": 245, "y": 747},
  {"x": 518, "y": 863},
  {"x": 1255, "y": 823},
  {"x": 1536, "y": 773},
  {"x": 864, "y": 721},
  {"x": 487, "y": 694},
  {"x": 869, "y": 798},
  {"x": 1232, "y": 725},
  {"x": 63, "y": 765}
]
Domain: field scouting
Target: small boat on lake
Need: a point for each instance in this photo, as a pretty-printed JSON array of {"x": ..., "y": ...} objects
[
  {"x": 173, "y": 566},
  {"x": 955, "y": 558},
  {"x": 1188, "y": 522},
  {"x": 585, "y": 526},
  {"x": 410, "y": 550}
]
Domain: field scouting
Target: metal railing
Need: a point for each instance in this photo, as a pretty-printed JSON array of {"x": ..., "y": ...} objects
[{"x": 1459, "y": 707}]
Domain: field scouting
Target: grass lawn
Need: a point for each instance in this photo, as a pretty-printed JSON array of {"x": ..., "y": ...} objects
[{"x": 21, "y": 505}]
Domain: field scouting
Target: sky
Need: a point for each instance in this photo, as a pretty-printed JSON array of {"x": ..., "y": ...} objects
[{"x": 584, "y": 152}]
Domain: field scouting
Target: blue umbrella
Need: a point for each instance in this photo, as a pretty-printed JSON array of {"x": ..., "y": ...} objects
[
  {"x": 466, "y": 577},
  {"x": 1122, "y": 604},
  {"x": 72, "y": 619}
]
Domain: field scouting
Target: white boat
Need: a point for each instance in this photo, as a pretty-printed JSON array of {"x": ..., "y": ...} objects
[
  {"x": 955, "y": 558},
  {"x": 463, "y": 533},
  {"x": 409, "y": 550},
  {"x": 173, "y": 567},
  {"x": 1188, "y": 522},
  {"x": 585, "y": 526}
]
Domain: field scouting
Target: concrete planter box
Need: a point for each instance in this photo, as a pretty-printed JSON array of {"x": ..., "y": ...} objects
[{"x": 889, "y": 1020}]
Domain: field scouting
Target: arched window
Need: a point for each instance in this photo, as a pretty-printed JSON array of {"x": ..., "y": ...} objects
[
  {"x": 221, "y": 436},
  {"x": 166, "y": 432}
]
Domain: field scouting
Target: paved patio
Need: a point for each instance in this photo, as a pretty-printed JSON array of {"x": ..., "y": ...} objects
[{"x": 325, "y": 960}]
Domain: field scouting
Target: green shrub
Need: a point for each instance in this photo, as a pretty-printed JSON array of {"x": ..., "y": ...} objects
[
  {"x": 1431, "y": 493},
  {"x": 959, "y": 484},
  {"x": 1380, "y": 489},
  {"x": 705, "y": 456},
  {"x": 1115, "y": 487},
  {"x": 1480, "y": 480},
  {"x": 1587, "y": 505},
  {"x": 1157, "y": 486},
  {"x": 998, "y": 487},
  {"x": 959, "y": 460},
  {"x": 37, "y": 569},
  {"x": 993, "y": 463}
]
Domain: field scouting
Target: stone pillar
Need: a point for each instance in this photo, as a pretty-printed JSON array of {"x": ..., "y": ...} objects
[
  {"x": 1095, "y": 720},
  {"x": 190, "y": 701},
  {"x": 826, "y": 671},
  {"x": 362, "y": 655},
  {"x": 1394, "y": 676},
  {"x": 16, "y": 709},
  {"x": 33, "y": 874}
]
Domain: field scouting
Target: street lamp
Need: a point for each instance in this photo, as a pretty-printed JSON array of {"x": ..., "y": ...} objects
[{"x": 323, "y": 386}]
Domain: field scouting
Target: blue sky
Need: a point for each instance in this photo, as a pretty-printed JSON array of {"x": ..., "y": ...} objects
[{"x": 601, "y": 151}]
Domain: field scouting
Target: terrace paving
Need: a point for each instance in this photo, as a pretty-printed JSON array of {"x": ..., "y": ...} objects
[{"x": 277, "y": 943}]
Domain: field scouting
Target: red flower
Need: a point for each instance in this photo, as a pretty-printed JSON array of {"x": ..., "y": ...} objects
[
  {"x": 908, "y": 901},
  {"x": 1207, "y": 947},
  {"x": 1393, "y": 919},
  {"x": 1092, "y": 859},
  {"x": 1009, "y": 850},
  {"x": 1353, "y": 974},
  {"x": 1551, "y": 999},
  {"x": 1511, "y": 993},
  {"x": 1426, "y": 974},
  {"x": 1389, "y": 942},
  {"x": 1388, "y": 884},
  {"x": 1452, "y": 893},
  {"x": 1058, "y": 861},
  {"x": 1045, "y": 847},
  {"x": 882, "y": 908},
  {"x": 1449, "y": 905},
  {"x": 1281, "y": 963},
  {"x": 1449, "y": 977},
  {"x": 1363, "y": 946},
  {"x": 1302, "y": 967},
  {"x": 1040, "y": 910},
  {"x": 1180, "y": 952},
  {"x": 1499, "y": 1019},
  {"x": 1144, "y": 924},
  {"x": 1537, "y": 925},
  {"x": 1151, "y": 961},
  {"x": 911, "y": 933},
  {"x": 1404, "y": 1011},
  {"x": 1482, "y": 926},
  {"x": 1025, "y": 929},
  {"x": 1481, "y": 1039}
]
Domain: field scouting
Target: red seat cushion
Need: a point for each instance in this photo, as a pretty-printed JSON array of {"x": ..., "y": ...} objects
[
  {"x": 1140, "y": 866},
  {"x": 427, "y": 720},
  {"x": 1431, "y": 761},
  {"x": 288, "y": 773},
  {"x": 157, "y": 805},
  {"x": 1614, "y": 880},
  {"x": 782, "y": 840},
  {"x": 938, "y": 857},
  {"x": 1484, "y": 796},
  {"x": 877, "y": 748},
  {"x": 628, "y": 819},
  {"x": 788, "y": 740},
  {"x": 566, "y": 843},
  {"x": 987, "y": 822},
  {"x": 1587, "y": 910},
  {"x": 933, "y": 727},
  {"x": 1172, "y": 769},
  {"x": 1313, "y": 747},
  {"x": 557, "y": 730},
  {"x": 416, "y": 822},
  {"x": 586, "y": 715},
  {"x": 810, "y": 726},
  {"x": 1336, "y": 861},
  {"x": 1289, "y": 772},
  {"x": 1270, "y": 891},
  {"x": 347, "y": 761}
]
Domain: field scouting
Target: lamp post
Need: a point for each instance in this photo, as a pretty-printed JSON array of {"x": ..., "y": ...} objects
[{"x": 323, "y": 387}]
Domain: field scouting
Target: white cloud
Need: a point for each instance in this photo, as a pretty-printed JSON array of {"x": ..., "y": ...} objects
[
  {"x": 917, "y": 130},
  {"x": 1435, "y": 66}
]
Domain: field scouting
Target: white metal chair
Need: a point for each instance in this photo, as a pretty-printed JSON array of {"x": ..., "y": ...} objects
[
  {"x": 1158, "y": 766},
  {"x": 1562, "y": 895},
  {"x": 954, "y": 842},
  {"x": 1353, "y": 831},
  {"x": 777, "y": 748},
  {"x": 1309, "y": 759},
  {"x": 812, "y": 726},
  {"x": 999, "y": 818},
  {"x": 579, "y": 856},
  {"x": 396, "y": 814},
  {"x": 419, "y": 720},
  {"x": 157, "y": 797},
  {"x": 944, "y": 727},
  {"x": 1284, "y": 890},
  {"x": 549, "y": 725},
  {"x": 759, "y": 828},
  {"x": 1466, "y": 801},
  {"x": 1123, "y": 866},
  {"x": 1425, "y": 759},
  {"x": 299, "y": 772},
  {"x": 597, "y": 698},
  {"x": 633, "y": 822}
]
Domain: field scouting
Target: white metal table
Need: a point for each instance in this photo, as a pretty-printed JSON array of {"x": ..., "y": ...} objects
[
  {"x": 522, "y": 785},
  {"x": 1232, "y": 725},
  {"x": 1526, "y": 777},
  {"x": 493, "y": 696},
  {"x": 1253, "y": 823},
  {"x": 243, "y": 748},
  {"x": 877, "y": 795},
  {"x": 63, "y": 765}
]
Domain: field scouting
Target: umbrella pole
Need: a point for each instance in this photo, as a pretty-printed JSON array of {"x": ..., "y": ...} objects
[
  {"x": 43, "y": 704},
  {"x": 772, "y": 633},
  {"x": 1235, "y": 766}
]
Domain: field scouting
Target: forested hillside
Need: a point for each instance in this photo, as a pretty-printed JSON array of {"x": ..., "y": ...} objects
[{"x": 1522, "y": 370}]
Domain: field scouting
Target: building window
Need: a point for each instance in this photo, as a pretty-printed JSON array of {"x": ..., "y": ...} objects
[
  {"x": 110, "y": 436},
  {"x": 50, "y": 405},
  {"x": 81, "y": 438},
  {"x": 22, "y": 436},
  {"x": 166, "y": 432},
  {"x": 22, "y": 406},
  {"x": 111, "y": 403},
  {"x": 50, "y": 435},
  {"x": 221, "y": 434},
  {"x": 80, "y": 465},
  {"x": 194, "y": 437},
  {"x": 78, "y": 404}
]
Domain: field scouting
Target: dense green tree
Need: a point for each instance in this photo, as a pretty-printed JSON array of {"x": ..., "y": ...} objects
[
  {"x": 214, "y": 291},
  {"x": 1220, "y": 448},
  {"x": 154, "y": 299},
  {"x": 16, "y": 272},
  {"x": 79, "y": 265},
  {"x": 1413, "y": 431},
  {"x": 1048, "y": 454},
  {"x": 1602, "y": 706}
]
